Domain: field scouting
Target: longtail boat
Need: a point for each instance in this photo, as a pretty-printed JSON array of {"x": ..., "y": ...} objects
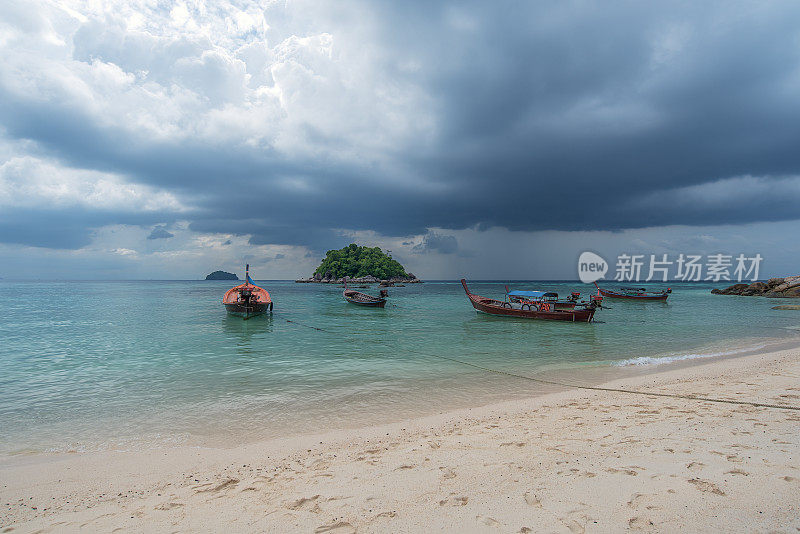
[
  {"x": 634, "y": 293},
  {"x": 362, "y": 299},
  {"x": 247, "y": 300},
  {"x": 538, "y": 297},
  {"x": 583, "y": 312}
]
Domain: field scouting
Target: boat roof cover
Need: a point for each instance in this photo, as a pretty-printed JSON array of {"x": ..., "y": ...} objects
[{"x": 532, "y": 294}]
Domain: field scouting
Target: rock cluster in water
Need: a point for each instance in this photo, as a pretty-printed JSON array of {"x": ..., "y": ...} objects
[
  {"x": 221, "y": 275},
  {"x": 328, "y": 278},
  {"x": 774, "y": 287}
]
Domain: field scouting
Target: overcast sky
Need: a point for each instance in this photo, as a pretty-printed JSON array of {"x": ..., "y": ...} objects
[{"x": 144, "y": 139}]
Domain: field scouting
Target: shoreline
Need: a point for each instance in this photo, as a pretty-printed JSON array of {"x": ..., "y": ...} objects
[
  {"x": 436, "y": 463},
  {"x": 514, "y": 389}
]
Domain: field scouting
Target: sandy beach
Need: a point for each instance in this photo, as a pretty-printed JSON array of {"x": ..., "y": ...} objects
[{"x": 573, "y": 461}]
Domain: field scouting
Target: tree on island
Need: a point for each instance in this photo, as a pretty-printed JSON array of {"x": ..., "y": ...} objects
[{"x": 354, "y": 261}]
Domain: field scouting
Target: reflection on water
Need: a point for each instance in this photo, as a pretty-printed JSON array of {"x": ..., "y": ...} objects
[
  {"x": 248, "y": 335},
  {"x": 237, "y": 326}
]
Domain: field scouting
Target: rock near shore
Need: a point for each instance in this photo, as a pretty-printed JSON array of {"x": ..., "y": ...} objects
[{"x": 774, "y": 287}]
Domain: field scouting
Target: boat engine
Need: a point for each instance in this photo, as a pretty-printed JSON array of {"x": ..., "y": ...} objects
[{"x": 596, "y": 301}]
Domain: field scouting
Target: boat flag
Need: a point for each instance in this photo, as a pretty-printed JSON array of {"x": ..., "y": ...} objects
[{"x": 247, "y": 278}]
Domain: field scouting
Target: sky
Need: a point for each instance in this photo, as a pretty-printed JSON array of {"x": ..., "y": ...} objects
[{"x": 160, "y": 140}]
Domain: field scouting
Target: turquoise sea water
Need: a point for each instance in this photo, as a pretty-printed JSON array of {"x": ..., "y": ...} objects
[{"x": 95, "y": 365}]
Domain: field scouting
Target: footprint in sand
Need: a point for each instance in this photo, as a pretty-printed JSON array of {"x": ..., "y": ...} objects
[
  {"x": 389, "y": 514},
  {"x": 168, "y": 506},
  {"x": 737, "y": 472},
  {"x": 625, "y": 471},
  {"x": 488, "y": 521},
  {"x": 695, "y": 465},
  {"x": 572, "y": 525},
  {"x": 229, "y": 483},
  {"x": 532, "y": 499},
  {"x": 454, "y": 501},
  {"x": 639, "y": 523},
  {"x": 633, "y": 502},
  {"x": 447, "y": 473},
  {"x": 404, "y": 467},
  {"x": 308, "y": 504},
  {"x": 336, "y": 527},
  {"x": 706, "y": 486}
]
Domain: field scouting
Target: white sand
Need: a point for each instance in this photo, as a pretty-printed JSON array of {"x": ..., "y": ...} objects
[{"x": 574, "y": 461}]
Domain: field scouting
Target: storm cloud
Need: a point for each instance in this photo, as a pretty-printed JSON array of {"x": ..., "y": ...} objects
[
  {"x": 435, "y": 242},
  {"x": 295, "y": 124}
]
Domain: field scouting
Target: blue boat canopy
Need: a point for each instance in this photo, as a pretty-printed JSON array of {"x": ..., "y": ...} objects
[{"x": 532, "y": 294}]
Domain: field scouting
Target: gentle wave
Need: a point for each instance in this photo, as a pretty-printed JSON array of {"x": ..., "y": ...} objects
[{"x": 659, "y": 360}]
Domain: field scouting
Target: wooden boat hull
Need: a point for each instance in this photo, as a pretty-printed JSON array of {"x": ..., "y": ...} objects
[
  {"x": 362, "y": 299},
  {"x": 497, "y": 308},
  {"x": 247, "y": 300},
  {"x": 371, "y": 304},
  {"x": 615, "y": 295},
  {"x": 239, "y": 309},
  {"x": 558, "y": 305}
]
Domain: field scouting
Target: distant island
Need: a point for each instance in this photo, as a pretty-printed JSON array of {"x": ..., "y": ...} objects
[
  {"x": 360, "y": 265},
  {"x": 221, "y": 275}
]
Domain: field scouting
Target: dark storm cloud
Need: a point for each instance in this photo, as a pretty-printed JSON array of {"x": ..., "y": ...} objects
[
  {"x": 435, "y": 242},
  {"x": 561, "y": 115},
  {"x": 63, "y": 228}
]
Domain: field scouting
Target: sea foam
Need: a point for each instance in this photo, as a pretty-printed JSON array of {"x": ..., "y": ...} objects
[{"x": 659, "y": 360}]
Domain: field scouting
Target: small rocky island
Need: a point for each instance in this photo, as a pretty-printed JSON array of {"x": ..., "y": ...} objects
[
  {"x": 221, "y": 275},
  {"x": 774, "y": 287},
  {"x": 360, "y": 265}
]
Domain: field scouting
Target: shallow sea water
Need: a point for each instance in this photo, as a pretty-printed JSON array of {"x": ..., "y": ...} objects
[{"x": 122, "y": 365}]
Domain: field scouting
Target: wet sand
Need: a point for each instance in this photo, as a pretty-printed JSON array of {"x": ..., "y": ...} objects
[{"x": 573, "y": 461}]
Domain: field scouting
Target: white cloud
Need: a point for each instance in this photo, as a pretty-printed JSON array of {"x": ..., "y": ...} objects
[
  {"x": 28, "y": 182},
  {"x": 209, "y": 72}
]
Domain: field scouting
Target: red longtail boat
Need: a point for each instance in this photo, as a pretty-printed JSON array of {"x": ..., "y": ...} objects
[
  {"x": 634, "y": 293},
  {"x": 538, "y": 297},
  {"x": 247, "y": 300},
  {"x": 582, "y": 313},
  {"x": 362, "y": 299}
]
